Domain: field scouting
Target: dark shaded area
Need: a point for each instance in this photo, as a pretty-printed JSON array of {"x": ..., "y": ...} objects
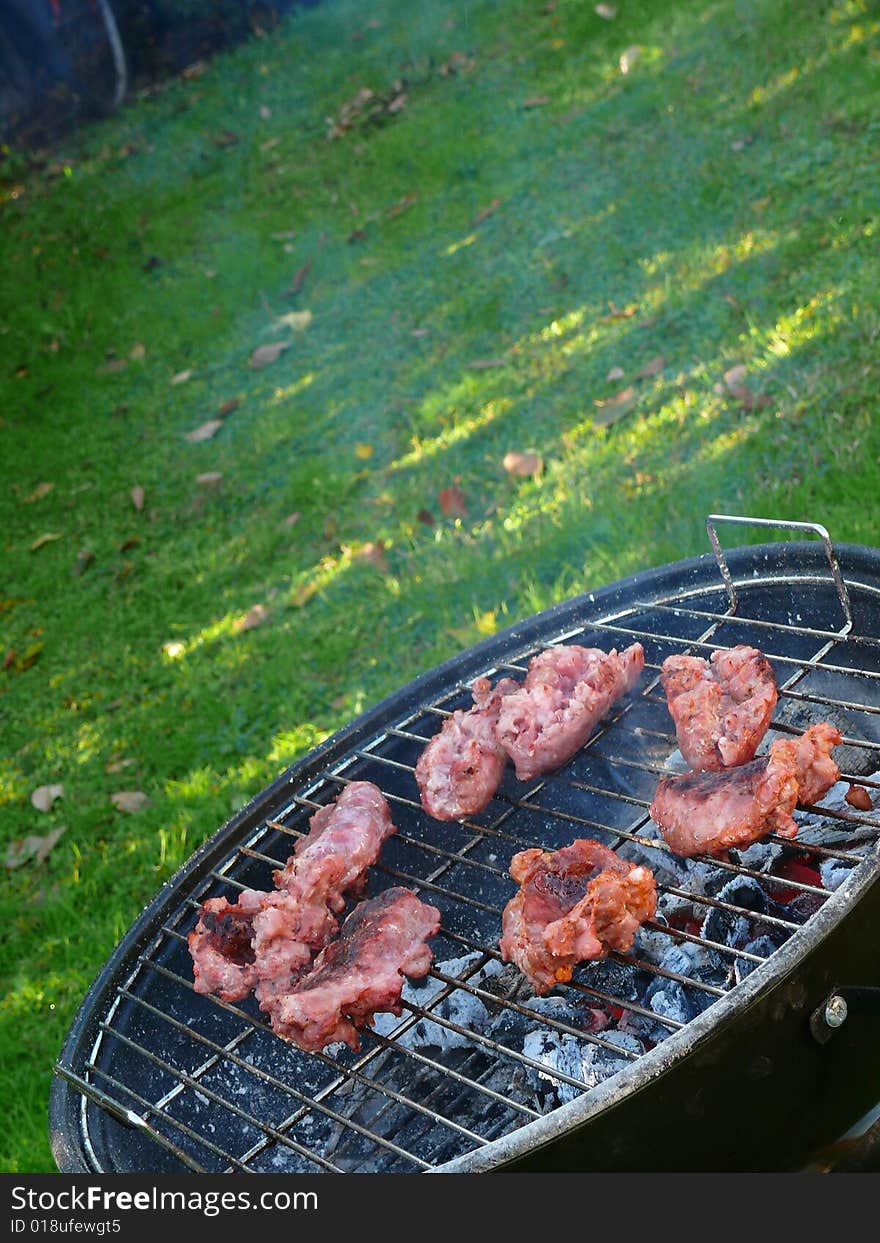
[{"x": 57, "y": 63}]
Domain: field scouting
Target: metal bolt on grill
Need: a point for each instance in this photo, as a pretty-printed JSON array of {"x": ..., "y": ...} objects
[{"x": 476, "y": 1069}]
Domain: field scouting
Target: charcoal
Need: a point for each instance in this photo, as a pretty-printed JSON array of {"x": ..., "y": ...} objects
[
  {"x": 668, "y": 999},
  {"x": 801, "y": 907},
  {"x": 762, "y": 946},
  {"x": 746, "y": 892},
  {"x": 668, "y": 869},
  {"x": 650, "y": 943},
  {"x": 759, "y": 857},
  {"x": 817, "y": 830},
  {"x": 591, "y": 1063},
  {"x": 834, "y": 872},
  {"x": 698, "y": 962},
  {"x": 609, "y": 976},
  {"x": 725, "y": 928}
]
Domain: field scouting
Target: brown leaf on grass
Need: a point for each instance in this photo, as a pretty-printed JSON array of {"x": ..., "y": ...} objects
[
  {"x": 735, "y": 376},
  {"x": 132, "y": 542},
  {"x": 195, "y": 70},
  {"x": 225, "y": 138},
  {"x": 228, "y": 407},
  {"x": 181, "y": 377},
  {"x": 486, "y": 212},
  {"x": 613, "y": 408},
  {"x": 48, "y": 538},
  {"x": 299, "y": 277},
  {"x": 526, "y": 465},
  {"x": 257, "y": 615},
  {"x": 303, "y": 594},
  {"x": 138, "y": 352},
  {"x": 615, "y": 312},
  {"x": 138, "y": 496},
  {"x": 402, "y": 205},
  {"x": 9, "y": 658},
  {"x": 41, "y": 490},
  {"x": 616, "y": 373},
  {"x": 485, "y": 364},
  {"x": 209, "y": 478},
  {"x": 84, "y": 558},
  {"x": 652, "y": 367},
  {"x": 425, "y": 516},
  {"x": 536, "y": 101},
  {"x": 458, "y": 62},
  {"x": 291, "y": 520},
  {"x": 129, "y": 800},
  {"x": 204, "y": 432},
  {"x": 630, "y": 57},
  {"x": 606, "y": 11},
  {"x": 374, "y": 553},
  {"x": 32, "y": 847},
  {"x": 116, "y": 766},
  {"x": 452, "y": 501},
  {"x": 264, "y": 355},
  {"x": 44, "y": 796}
]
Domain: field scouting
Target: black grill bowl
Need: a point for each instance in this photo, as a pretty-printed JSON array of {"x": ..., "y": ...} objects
[{"x": 153, "y": 1078}]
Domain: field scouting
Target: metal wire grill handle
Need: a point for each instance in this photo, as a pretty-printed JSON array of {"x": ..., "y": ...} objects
[{"x": 814, "y": 528}]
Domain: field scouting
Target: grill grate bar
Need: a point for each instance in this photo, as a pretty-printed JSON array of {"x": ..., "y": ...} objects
[
  {"x": 348, "y": 1072},
  {"x": 266, "y": 1077},
  {"x": 836, "y": 636},
  {"x": 168, "y": 1118},
  {"x": 126, "y": 1116},
  {"x": 197, "y": 1086}
]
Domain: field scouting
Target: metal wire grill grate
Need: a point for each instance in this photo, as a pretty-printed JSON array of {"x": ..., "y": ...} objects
[{"x": 467, "y": 1061}]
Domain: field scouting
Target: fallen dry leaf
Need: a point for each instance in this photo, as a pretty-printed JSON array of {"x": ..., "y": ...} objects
[
  {"x": 32, "y": 847},
  {"x": 616, "y": 373},
  {"x": 228, "y": 407},
  {"x": 129, "y": 800},
  {"x": 402, "y": 205},
  {"x": 42, "y": 540},
  {"x": 299, "y": 277},
  {"x": 257, "y": 615},
  {"x": 116, "y": 766},
  {"x": 452, "y": 501},
  {"x": 652, "y": 367},
  {"x": 298, "y": 321},
  {"x": 536, "y": 101},
  {"x": 291, "y": 520},
  {"x": 44, "y": 796},
  {"x": 629, "y": 57},
  {"x": 487, "y": 212},
  {"x": 84, "y": 558},
  {"x": 41, "y": 490},
  {"x": 209, "y": 478},
  {"x": 614, "y": 408},
  {"x": 374, "y": 553},
  {"x": 484, "y": 364},
  {"x": 138, "y": 351},
  {"x": 132, "y": 542},
  {"x": 182, "y": 377},
  {"x": 226, "y": 138},
  {"x": 9, "y": 658},
  {"x": 205, "y": 432},
  {"x": 523, "y": 464},
  {"x": 735, "y": 376},
  {"x": 138, "y": 496},
  {"x": 425, "y": 516},
  {"x": 606, "y": 11},
  {"x": 615, "y": 312},
  {"x": 263, "y": 355}
]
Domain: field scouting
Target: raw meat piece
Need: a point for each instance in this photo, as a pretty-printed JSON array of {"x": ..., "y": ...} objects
[
  {"x": 721, "y": 709},
  {"x": 459, "y": 770},
  {"x": 360, "y": 974},
  {"x": 567, "y": 690},
  {"x": 574, "y": 904}
]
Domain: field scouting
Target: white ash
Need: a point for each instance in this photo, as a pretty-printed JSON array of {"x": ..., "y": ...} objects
[{"x": 590, "y": 1063}]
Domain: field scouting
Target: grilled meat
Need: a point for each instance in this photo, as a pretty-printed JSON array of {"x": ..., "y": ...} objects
[
  {"x": 706, "y": 812},
  {"x": 266, "y": 941},
  {"x": 574, "y": 904},
  {"x": 721, "y": 708},
  {"x": 566, "y": 692},
  {"x": 360, "y": 974},
  {"x": 459, "y": 770}
]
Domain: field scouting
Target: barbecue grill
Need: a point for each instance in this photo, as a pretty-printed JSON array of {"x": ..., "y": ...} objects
[{"x": 737, "y": 1034}]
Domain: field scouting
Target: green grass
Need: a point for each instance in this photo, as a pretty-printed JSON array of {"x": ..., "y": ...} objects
[{"x": 725, "y": 191}]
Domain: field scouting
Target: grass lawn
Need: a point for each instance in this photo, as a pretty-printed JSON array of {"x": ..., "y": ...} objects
[{"x": 464, "y": 275}]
